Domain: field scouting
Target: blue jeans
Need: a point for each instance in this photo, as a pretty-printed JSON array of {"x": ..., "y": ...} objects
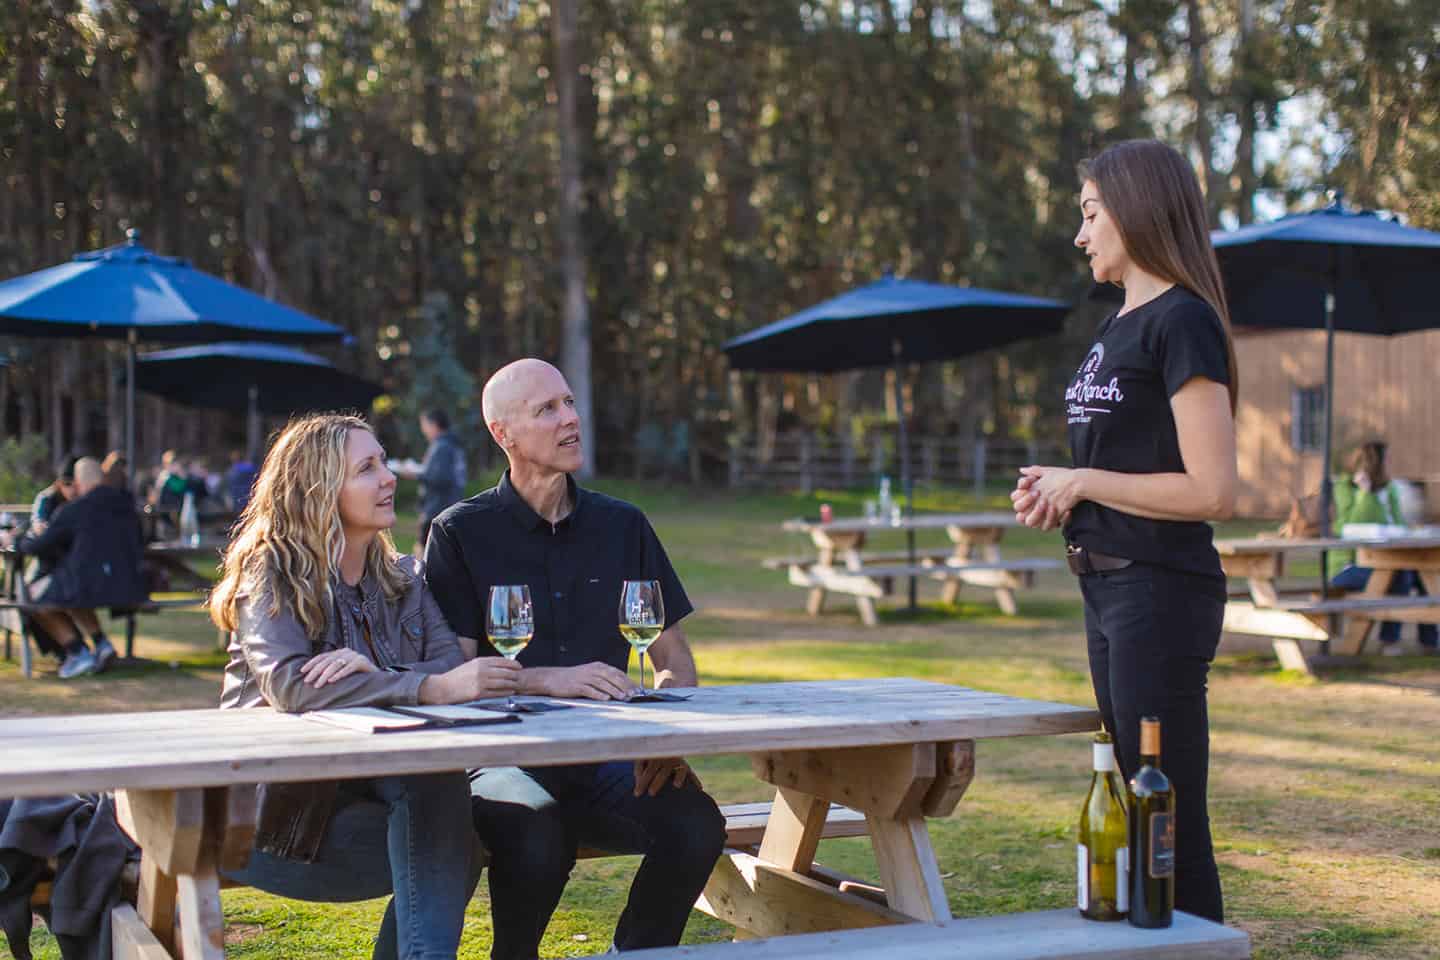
[
  {"x": 409, "y": 836},
  {"x": 532, "y": 821},
  {"x": 1151, "y": 634},
  {"x": 1404, "y": 583}
]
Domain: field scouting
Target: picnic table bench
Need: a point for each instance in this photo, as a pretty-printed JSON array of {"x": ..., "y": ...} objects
[
  {"x": 891, "y": 750},
  {"x": 1339, "y": 622},
  {"x": 840, "y": 565},
  {"x": 15, "y": 598}
]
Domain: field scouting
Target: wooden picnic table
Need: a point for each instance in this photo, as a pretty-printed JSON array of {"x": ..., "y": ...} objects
[
  {"x": 897, "y": 749},
  {"x": 1287, "y": 618},
  {"x": 174, "y": 557},
  {"x": 841, "y": 564}
]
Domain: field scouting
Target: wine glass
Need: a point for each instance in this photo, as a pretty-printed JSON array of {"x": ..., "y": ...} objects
[
  {"x": 509, "y": 625},
  {"x": 642, "y": 617}
]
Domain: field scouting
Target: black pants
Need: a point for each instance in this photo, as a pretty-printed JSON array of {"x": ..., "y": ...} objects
[
  {"x": 533, "y": 839},
  {"x": 1152, "y": 633}
]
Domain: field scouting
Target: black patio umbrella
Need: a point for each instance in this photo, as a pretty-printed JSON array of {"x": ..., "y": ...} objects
[
  {"x": 1331, "y": 269},
  {"x": 896, "y": 321},
  {"x": 253, "y": 377},
  {"x": 129, "y": 293}
]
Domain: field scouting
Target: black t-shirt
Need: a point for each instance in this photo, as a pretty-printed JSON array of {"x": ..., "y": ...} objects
[
  {"x": 1118, "y": 410},
  {"x": 574, "y": 569}
]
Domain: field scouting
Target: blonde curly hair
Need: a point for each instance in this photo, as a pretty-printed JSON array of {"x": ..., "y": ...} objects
[{"x": 288, "y": 541}]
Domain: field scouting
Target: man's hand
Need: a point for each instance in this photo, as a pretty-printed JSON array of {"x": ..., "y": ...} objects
[
  {"x": 592, "y": 681},
  {"x": 652, "y": 775},
  {"x": 483, "y": 678}
]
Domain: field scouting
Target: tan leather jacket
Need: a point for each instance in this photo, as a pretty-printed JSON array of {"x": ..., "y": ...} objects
[{"x": 411, "y": 640}]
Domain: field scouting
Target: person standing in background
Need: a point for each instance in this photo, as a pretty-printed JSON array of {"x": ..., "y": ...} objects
[{"x": 442, "y": 472}]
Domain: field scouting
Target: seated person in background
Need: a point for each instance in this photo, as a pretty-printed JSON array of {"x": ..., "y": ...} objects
[
  {"x": 360, "y": 630},
  {"x": 573, "y": 547},
  {"x": 94, "y": 545},
  {"x": 170, "y": 484},
  {"x": 55, "y": 496},
  {"x": 116, "y": 469},
  {"x": 1369, "y": 496},
  {"x": 239, "y": 479}
]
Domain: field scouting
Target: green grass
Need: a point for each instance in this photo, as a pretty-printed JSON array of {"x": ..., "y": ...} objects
[{"x": 1323, "y": 792}]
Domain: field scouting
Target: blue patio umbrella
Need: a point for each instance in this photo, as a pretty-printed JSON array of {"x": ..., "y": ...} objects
[
  {"x": 896, "y": 321},
  {"x": 252, "y": 377},
  {"x": 1331, "y": 269},
  {"x": 127, "y": 292}
]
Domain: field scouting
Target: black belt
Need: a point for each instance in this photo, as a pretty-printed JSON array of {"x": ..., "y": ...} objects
[{"x": 1084, "y": 561}]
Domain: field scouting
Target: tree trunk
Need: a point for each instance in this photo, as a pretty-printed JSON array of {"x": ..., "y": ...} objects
[
  {"x": 575, "y": 345},
  {"x": 1200, "y": 96},
  {"x": 1245, "y": 146}
]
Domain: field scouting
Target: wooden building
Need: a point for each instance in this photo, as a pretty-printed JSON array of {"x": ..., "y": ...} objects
[{"x": 1386, "y": 388}]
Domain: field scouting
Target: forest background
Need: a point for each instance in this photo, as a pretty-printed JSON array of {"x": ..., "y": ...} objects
[{"x": 623, "y": 185}]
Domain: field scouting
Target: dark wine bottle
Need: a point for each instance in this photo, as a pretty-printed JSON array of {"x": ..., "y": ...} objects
[
  {"x": 1102, "y": 857},
  {"x": 1152, "y": 835}
]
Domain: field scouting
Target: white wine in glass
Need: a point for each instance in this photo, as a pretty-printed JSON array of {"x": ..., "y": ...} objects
[
  {"x": 509, "y": 625},
  {"x": 642, "y": 617}
]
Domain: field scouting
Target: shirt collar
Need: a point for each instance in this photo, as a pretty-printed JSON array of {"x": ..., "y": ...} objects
[{"x": 516, "y": 506}]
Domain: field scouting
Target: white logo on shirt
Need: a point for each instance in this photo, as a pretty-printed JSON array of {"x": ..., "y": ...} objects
[{"x": 1085, "y": 391}]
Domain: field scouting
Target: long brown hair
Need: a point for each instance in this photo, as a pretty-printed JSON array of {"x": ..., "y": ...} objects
[
  {"x": 1369, "y": 458},
  {"x": 288, "y": 541},
  {"x": 1154, "y": 198}
]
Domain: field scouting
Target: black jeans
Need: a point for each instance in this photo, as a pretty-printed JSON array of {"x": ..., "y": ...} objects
[
  {"x": 533, "y": 838},
  {"x": 1152, "y": 633}
]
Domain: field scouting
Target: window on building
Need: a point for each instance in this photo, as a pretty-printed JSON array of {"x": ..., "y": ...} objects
[{"x": 1307, "y": 419}]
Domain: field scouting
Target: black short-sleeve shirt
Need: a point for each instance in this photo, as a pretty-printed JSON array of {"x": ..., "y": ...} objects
[
  {"x": 574, "y": 568},
  {"x": 1119, "y": 416}
]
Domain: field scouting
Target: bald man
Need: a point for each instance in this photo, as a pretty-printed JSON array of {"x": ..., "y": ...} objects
[
  {"x": 574, "y": 548},
  {"x": 96, "y": 549}
]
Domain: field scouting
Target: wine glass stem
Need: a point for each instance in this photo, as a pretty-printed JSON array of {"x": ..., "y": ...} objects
[{"x": 642, "y": 671}]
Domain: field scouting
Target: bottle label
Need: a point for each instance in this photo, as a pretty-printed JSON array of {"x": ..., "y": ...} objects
[
  {"x": 1082, "y": 875},
  {"x": 1104, "y": 756},
  {"x": 1162, "y": 846},
  {"x": 1122, "y": 880}
]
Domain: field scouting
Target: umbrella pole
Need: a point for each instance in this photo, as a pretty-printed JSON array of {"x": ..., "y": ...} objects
[
  {"x": 906, "y": 482},
  {"x": 130, "y": 407},
  {"x": 1326, "y": 490}
]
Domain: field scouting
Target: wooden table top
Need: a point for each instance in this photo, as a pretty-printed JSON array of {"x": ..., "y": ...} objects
[
  {"x": 201, "y": 748},
  {"x": 207, "y": 545},
  {"x": 923, "y": 521},
  {"x": 1230, "y": 548}
]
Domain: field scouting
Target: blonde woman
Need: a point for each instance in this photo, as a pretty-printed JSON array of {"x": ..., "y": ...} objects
[{"x": 323, "y": 612}]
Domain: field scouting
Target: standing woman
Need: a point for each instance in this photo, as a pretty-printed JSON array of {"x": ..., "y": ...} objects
[
  {"x": 324, "y": 613},
  {"x": 1152, "y": 436}
]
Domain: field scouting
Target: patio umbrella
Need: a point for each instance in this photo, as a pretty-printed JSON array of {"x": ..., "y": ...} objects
[
  {"x": 253, "y": 377},
  {"x": 896, "y": 321},
  {"x": 1331, "y": 269},
  {"x": 129, "y": 293}
]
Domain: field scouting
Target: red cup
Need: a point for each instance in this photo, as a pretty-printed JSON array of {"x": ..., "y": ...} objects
[{"x": 826, "y": 514}]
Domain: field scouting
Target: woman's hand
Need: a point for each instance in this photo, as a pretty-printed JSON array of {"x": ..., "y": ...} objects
[
  {"x": 335, "y": 665},
  {"x": 480, "y": 679},
  {"x": 1044, "y": 496}
]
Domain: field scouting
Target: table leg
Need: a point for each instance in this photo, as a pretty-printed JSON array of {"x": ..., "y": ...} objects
[
  {"x": 184, "y": 836},
  {"x": 1357, "y": 627},
  {"x": 773, "y": 894}
]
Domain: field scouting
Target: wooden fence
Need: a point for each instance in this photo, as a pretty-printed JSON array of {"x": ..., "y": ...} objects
[{"x": 803, "y": 461}]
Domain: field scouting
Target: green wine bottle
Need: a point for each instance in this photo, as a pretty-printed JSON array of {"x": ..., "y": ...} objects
[
  {"x": 1102, "y": 859},
  {"x": 1152, "y": 835}
]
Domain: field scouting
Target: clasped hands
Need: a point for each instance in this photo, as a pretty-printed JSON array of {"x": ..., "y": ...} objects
[
  {"x": 600, "y": 681},
  {"x": 1044, "y": 496}
]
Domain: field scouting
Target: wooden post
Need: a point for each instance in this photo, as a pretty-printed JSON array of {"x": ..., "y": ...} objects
[
  {"x": 807, "y": 479},
  {"x": 977, "y": 468}
]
